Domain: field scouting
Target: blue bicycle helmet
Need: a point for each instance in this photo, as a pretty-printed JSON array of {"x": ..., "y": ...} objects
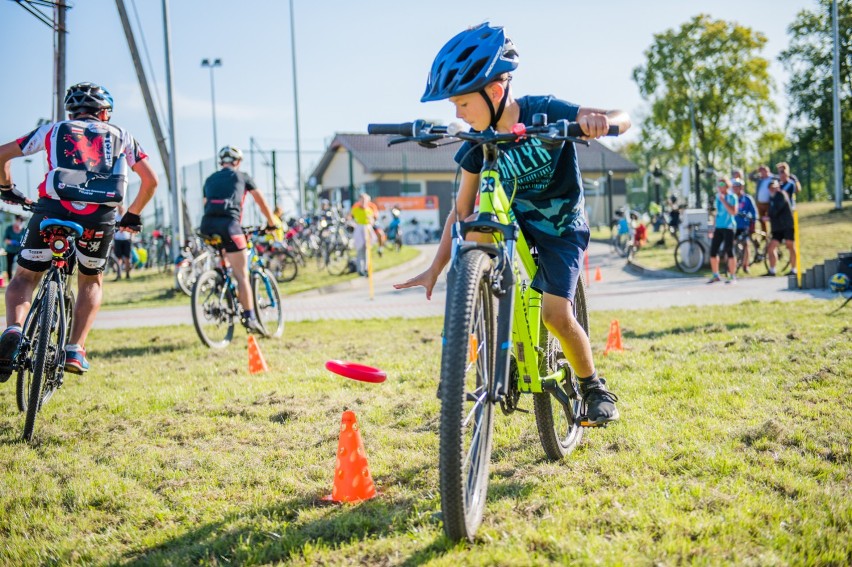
[
  {"x": 87, "y": 96},
  {"x": 469, "y": 61}
]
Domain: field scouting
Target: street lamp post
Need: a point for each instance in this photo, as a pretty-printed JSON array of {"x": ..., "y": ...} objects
[{"x": 212, "y": 64}]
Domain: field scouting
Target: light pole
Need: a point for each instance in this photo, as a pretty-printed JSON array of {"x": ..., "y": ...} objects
[{"x": 212, "y": 64}]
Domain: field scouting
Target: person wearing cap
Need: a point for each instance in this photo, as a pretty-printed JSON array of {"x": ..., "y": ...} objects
[
  {"x": 473, "y": 71},
  {"x": 745, "y": 219}
]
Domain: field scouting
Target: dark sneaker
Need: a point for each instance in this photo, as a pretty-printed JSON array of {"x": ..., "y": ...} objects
[
  {"x": 768, "y": 275},
  {"x": 10, "y": 342},
  {"x": 75, "y": 361},
  {"x": 714, "y": 279},
  {"x": 600, "y": 403}
]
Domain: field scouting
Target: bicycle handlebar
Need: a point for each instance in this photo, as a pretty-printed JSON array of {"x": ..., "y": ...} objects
[{"x": 425, "y": 133}]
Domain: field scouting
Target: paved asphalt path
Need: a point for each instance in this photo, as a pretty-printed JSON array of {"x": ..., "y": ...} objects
[{"x": 620, "y": 288}]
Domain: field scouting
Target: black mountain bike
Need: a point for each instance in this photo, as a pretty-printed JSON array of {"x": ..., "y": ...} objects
[{"x": 40, "y": 363}]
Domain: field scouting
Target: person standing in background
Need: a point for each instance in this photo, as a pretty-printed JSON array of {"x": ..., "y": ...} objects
[
  {"x": 789, "y": 184},
  {"x": 762, "y": 194},
  {"x": 12, "y": 243},
  {"x": 122, "y": 246}
]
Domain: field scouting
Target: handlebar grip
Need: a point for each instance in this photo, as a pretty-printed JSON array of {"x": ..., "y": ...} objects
[
  {"x": 404, "y": 129},
  {"x": 575, "y": 131}
]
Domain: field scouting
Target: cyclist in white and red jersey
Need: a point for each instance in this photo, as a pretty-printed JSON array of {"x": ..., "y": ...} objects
[{"x": 87, "y": 160}]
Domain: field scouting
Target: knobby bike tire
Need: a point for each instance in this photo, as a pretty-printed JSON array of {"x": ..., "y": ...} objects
[
  {"x": 783, "y": 258},
  {"x": 337, "y": 261},
  {"x": 284, "y": 265},
  {"x": 559, "y": 428},
  {"x": 25, "y": 373},
  {"x": 689, "y": 256},
  {"x": 45, "y": 348},
  {"x": 267, "y": 303},
  {"x": 213, "y": 310},
  {"x": 467, "y": 383}
]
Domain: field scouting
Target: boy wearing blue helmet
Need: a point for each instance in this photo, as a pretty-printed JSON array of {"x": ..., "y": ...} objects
[{"x": 472, "y": 71}]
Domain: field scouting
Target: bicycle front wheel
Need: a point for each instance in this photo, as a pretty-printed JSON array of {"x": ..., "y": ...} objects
[
  {"x": 467, "y": 383},
  {"x": 283, "y": 264},
  {"x": 689, "y": 256},
  {"x": 184, "y": 276},
  {"x": 267, "y": 303},
  {"x": 559, "y": 428},
  {"x": 25, "y": 372},
  {"x": 338, "y": 259},
  {"x": 213, "y": 309},
  {"x": 44, "y": 357}
]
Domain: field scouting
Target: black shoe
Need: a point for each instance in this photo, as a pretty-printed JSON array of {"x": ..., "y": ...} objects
[
  {"x": 768, "y": 275},
  {"x": 600, "y": 403},
  {"x": 10, "y": 342}
]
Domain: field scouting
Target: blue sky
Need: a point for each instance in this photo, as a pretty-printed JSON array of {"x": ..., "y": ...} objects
[{"x": 357, "y": 62}]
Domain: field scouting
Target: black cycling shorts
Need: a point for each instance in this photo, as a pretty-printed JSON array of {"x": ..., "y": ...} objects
[
  {"x": 228, "y": 229},
  {"x": 92, "y": 248},
  {"x": 722, "y": 238},
  {"x": 784, "y": 234}
]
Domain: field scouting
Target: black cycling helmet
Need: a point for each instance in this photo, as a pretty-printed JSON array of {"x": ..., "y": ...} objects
[
  {"x": 469, "y": 61},
  {"x": 230, "y": 154},
  {"x": 87, "y": 96}
]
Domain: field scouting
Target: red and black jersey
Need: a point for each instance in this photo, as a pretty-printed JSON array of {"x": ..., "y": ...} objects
[{"x": 85, "y": 144}]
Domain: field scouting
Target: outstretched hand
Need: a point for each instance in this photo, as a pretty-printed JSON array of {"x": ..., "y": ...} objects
[{"x": 426, "y": 279}]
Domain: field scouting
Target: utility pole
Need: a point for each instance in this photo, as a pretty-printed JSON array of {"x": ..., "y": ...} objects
[
  {"x": 177, "y": 212},
  {"x": 143, "y": 85},
  {"x": 299, "y": 184},
  {"x": 59, "y": 35},
  {"x": 838, "y": 148}
]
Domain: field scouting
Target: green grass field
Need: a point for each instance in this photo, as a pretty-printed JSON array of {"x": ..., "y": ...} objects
[
  {"x": 824, "y": 233},
  {"x": 152, "y": 288},
  {"x": 733, "y": 448}
]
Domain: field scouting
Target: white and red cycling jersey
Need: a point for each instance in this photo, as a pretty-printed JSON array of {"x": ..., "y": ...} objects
[{"x": 85, "y": 144}]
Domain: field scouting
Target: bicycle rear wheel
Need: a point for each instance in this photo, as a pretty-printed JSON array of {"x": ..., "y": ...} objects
[
  {"x": 559, "y": 428},
  {"x": 213, "y": 310},
  {"x": 283, "y": 264},
  {"x": 267, "y": 303},
  {"x": 783, "y": 259},
  {"x": 689, "y": 256},
  {"x": 338, "y": 260},
  {"x": 44, "y": 357},
  {"x": 467, "y": 383}
]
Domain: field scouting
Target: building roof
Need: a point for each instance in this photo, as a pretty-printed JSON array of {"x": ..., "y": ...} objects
[{"x": 374, "y": 154}]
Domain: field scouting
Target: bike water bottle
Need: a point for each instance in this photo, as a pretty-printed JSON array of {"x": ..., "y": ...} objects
[{"x": 119, "y": 173}]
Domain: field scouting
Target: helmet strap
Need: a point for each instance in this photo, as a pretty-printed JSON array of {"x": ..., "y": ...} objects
[{"x": 496, "y": 115}]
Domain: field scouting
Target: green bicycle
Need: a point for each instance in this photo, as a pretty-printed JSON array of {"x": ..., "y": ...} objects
[{"x": 495, "y": 344}]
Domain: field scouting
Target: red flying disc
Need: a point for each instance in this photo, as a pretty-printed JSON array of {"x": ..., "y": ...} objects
[{"x": 356, "y": 371}]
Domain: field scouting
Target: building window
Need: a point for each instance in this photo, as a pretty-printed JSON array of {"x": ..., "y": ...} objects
[{"x": 412, "y": 188}]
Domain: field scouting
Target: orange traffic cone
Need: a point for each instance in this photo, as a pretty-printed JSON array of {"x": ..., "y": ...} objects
[
  {"x": 598, "y": 276},
  {"x": 256, "y": 362},
  {"x": 352, "y": 480},
  {"x": 614, "y": 341}
]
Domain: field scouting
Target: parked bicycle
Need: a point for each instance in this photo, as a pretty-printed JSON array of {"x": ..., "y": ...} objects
[
  {"x": 690, "y": 253},
  {"x": 215, "y": 303},
  {"x": 40, "y": 362},
  {"x": 495, "y": 344},
  {"x": 196, "y": 258}
]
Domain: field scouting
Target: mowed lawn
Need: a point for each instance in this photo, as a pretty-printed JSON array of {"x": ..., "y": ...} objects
[{"x": 733, "y": 448}]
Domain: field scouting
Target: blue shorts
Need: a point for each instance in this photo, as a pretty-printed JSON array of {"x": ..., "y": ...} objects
[{"x": 560, "y": 260}]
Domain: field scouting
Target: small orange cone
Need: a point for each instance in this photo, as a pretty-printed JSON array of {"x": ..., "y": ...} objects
[
  {"x": 614, "y": 341},
  {"x": 598, "y": 276},
  {"x": 352, "y": 480},
  {"x": 256, "y": 362}
]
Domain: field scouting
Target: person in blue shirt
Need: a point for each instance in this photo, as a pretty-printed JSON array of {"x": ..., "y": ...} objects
[
  {"x": 745, "y": 219},
  {"x": 723, "y": 235},
  {"x": 473, "y": 71}
]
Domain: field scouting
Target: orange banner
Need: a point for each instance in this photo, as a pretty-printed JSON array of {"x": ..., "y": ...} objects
[{"x": 408, "y": 202}]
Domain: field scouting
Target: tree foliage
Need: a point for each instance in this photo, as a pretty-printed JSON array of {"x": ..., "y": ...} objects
[
  {"x": 809, "y": 62},
  {"x": 716, "y": 67}
]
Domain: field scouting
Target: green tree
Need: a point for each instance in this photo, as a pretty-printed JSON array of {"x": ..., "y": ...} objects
[
  {"x": 808, "y": 59},
  {"x": 710, "y": 72}
]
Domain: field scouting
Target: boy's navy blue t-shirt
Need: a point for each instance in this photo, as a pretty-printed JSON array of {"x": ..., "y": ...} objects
[{"x": 549, "y": 194}]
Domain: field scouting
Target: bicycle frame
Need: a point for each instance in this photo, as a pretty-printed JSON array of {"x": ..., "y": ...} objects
[{"x": 519, "y": 318}]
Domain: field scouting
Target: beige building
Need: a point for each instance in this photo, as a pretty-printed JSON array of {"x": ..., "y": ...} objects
[{"x": 353, "y": 163}]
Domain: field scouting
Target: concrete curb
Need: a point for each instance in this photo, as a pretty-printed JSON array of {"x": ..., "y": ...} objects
[{"x": 642, "y": 271}]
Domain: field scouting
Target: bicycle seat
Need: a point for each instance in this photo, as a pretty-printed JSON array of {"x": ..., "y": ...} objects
[{"x": 70, "y": 225}]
